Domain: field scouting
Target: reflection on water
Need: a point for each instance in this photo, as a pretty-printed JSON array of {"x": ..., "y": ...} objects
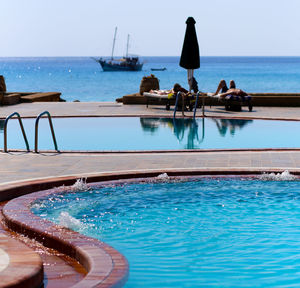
[
  {"x": 191, "y": 127},
  {"x": 179, "y": 126},
  {"x": 2, "y": 125},
  {"x": 232, "y": 125}
]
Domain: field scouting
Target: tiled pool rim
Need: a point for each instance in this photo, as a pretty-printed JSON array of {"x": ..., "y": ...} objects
[
  {"x": 106, "y": 267},
  {"x": 24, "y": 267}
]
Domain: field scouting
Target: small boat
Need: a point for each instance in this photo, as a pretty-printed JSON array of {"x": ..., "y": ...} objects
[
  {"x": 124, "y": 64},
  {"x": 159, "y": 69}
]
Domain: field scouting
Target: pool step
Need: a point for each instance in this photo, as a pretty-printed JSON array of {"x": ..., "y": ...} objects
[{"x": 23, "y": 268}]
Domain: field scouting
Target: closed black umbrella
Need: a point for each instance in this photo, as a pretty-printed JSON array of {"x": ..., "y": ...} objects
[{"x": 190, "y": 57}]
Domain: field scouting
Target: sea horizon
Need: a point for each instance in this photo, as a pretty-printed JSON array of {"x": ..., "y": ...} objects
[{"x": 157, "y": 56}]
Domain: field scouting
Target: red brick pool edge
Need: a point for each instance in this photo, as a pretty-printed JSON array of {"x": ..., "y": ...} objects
[
  {"x": 106, "y": 267},
  {"x": 24, "y": 267}
]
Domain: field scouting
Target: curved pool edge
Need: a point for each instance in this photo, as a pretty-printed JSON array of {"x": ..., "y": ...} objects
[
  {"x": 106, "y": 266},
  {"x": 22, "y": 267},
  {"x": 113, "y": 152}
]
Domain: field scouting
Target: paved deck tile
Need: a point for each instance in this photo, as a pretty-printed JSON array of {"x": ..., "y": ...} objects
[
  {"x": 20, "y": 166},
  {"x": 96, "y": 109}
]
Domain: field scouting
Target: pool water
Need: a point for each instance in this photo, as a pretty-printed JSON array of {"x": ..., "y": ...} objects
[
  {"x": 205, "y": 232},
  {"x": 133, "y": 133}
]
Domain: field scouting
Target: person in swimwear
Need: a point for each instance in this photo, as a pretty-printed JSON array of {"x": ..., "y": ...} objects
[
  {"x": 177, "y": 88},
  {"x": 232, "y": 90}
]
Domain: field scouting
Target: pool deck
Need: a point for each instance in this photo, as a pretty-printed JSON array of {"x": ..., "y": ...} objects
[
  {"x": 17, "y": 167},
  {"x": 106, "y": 109},
  {"x": 22, "y": 166}
]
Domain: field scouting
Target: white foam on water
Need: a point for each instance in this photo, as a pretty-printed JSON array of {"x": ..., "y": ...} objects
[
  {"x": 284, "y": 176},
  {"x": 163, "y": 176},
  {"x": 38, "y": 205},
  {"x": 80, "y": 185},
  {"x": 66, "y": 220}
]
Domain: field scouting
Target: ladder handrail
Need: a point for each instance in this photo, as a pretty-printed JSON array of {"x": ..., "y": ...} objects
[
  {"x": 196, "y": 103},
  {"x": 176, "y": 103},
  {"x": 22, "y": 129},
  {"x": 37, "y": 127}
]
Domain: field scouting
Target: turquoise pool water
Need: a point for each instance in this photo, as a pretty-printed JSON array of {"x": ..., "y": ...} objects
[
  {"x": 133, "y": 133},
  {"x": 205, "y": 232}
]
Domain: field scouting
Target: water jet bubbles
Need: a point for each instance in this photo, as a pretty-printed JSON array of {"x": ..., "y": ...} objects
[
  {"x": 69, "y": 70},
  {"x": 80, "y": 185},
  {"x": 66, "y": 220},
  {"x": 284, "y": 176}
]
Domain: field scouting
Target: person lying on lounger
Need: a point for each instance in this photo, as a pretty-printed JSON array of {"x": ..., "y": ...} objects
[
  {"x": 160, "y": 92},
  {"x": 177, "y": 88},
  {"x": 223, "y": 88},
  {"x": 232, "y": 90}
]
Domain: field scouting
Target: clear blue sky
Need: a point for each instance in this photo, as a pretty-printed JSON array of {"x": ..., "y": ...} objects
[{"x": 85, "y": 28}]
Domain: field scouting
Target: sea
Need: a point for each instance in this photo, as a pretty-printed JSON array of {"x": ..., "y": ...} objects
[{"x": 82, "y": 78}]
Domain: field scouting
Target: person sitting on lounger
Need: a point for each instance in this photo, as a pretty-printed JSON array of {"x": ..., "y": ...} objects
[{"x": 178, "y": 88}]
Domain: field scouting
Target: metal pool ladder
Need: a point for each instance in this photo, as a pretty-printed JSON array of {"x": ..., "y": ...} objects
[
  {"x": 37, "y": 128},
  {"x": 22, "y": 129},
  {"x": 196, "y": 104}
]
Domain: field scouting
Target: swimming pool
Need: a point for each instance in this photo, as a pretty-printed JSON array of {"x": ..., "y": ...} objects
[
  {"x": 133, "y": 133},
  {"x": 219, "y": 232}
]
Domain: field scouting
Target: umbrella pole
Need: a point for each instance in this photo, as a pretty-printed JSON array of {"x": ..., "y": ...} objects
[{"x": 190, "y": 74}]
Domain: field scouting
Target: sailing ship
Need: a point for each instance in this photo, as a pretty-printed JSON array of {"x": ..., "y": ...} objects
[{"x": 126, "y": 63}]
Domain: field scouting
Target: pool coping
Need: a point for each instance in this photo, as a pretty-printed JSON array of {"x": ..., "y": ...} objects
[
  {"x": 87, "y": 152},
  {"x": 24, "y": 267},
  {"x": 106, "y": 266},
  {"x": 159, "y": 116}
]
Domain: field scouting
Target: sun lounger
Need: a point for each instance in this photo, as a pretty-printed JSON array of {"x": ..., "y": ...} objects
[
  {"x": 163, "y": 98},
  {"x": 233, "y": 102},
  {"x": 168, "y": 99}
]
